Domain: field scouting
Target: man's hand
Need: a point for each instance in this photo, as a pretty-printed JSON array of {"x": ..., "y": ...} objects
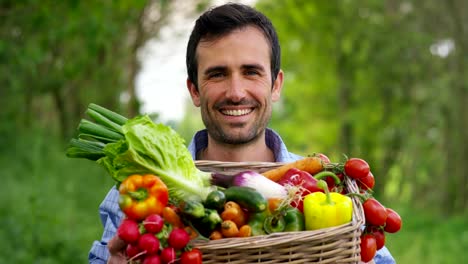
[{"x": 116, "y": 248}]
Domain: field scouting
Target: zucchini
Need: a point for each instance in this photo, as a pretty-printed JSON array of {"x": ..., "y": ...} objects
[
  {"x": 215, "y": 200},
  {"x": 193, "y": 209},
  {"x": 247, "y": 197}
]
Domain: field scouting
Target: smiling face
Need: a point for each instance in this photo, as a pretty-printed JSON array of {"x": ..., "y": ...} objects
[{"x": 235, "y": 92}]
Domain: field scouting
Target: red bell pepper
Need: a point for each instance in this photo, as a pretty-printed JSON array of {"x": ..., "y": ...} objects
[{"x": 308, "y": 183}]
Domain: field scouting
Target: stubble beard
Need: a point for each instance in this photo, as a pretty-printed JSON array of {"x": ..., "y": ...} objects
[{"x": 225, "y": 135}]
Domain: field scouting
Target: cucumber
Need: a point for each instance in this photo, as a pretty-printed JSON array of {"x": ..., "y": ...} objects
[{"x": 248, "y": 198}]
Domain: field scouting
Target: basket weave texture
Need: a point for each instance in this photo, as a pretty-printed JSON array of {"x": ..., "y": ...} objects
[{"x": 338, "y": 244}]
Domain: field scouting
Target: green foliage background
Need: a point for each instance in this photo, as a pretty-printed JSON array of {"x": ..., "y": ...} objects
[{"x": 362, "y": 78}]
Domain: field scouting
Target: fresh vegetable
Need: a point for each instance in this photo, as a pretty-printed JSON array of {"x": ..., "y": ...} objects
[
  {"x": 252, "y": 179},
  {"x": 132, "y": 251},
  {"x": 367, "y": 182},
  {"x": 142, "y": 147},
  {"x": 215, "y": 200},
  {"x": 168, "y": 255},
  {"x": 284, "y": 219},
  {"x": 374, "y": 212},
  {"x": 129, "y": 231},
  {"x": 193, "y": 256},
  {"x": 229, "y": 229},
  {"x": 152, "y": 259},
  {"x": 148, "y": 243},
  {"x": 171, "y": 217},
  {"x": 211, "y": 219},
  {"x": 393, "y": 222},
  {"x": 245, "y": 231},
  {"x": 306, "y": 181},
  {"x": 326, "y": 209},
  {"x": 274, "y": 223},
  {"x": 142, "y": 195},
  {"x": 294, "y": 220},
  {"x": 379, "y": 235},
  {"x": 368, "y": 247},
  {"x": 256, "y": 222},
  {"x": 193, "y": 209},
  {"x": 356, "y": 168},
  {"x": 153, "y": 223},
  {"x": 248, "y": 198},
  {"x": 215, "y": 235},
  {"x": 178, "y": 238},
  {"x": 312, "y": 165},
  {"x": 232, "y": 211}
]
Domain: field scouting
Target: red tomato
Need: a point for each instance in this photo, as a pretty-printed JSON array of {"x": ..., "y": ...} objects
[
  {"x": 375, "y": 212},
  {"x": 356, "y": 168},
  {"x": 393, "y": 222},
  {"x": 379, "y": 237},
  {"x": 368, "y": 247},
  {"x": 366, "y": 183},
  {"x": 193, "y": 256}
]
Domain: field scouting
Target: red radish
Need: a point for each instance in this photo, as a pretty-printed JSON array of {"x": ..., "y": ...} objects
[
  {"x": 148, "y": 243},
  {"x": 168, "y": 255},
  {"x": 178, "y": 238},
  {"x": 153, "y": 223},
  {"x": 128, "y": 231},
  {"x": 152, "y": 259},
  {"x": 132, "y": 250}
]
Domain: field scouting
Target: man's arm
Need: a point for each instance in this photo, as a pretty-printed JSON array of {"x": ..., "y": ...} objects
[{"x": 111, "y": 216}]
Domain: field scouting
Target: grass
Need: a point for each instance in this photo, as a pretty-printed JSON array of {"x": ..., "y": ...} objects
[{"x": 50, "y": 205}]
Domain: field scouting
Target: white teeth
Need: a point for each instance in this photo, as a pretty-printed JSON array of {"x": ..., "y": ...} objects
[{"x": 237, "y": 112}]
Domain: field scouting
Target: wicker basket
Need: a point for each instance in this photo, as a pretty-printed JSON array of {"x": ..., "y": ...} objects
[{"x": 329, "y": 245}]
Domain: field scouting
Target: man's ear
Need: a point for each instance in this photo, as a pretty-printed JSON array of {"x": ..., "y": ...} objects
[
  {"x": 277, "y": 87},
  {"x": 194, "y": 94}
]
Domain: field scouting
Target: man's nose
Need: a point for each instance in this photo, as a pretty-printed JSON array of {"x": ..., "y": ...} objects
[{"x": 236, "y": 90}]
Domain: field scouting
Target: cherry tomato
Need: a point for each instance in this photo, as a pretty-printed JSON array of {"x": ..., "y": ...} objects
[
  {"x": 368, "y": 247},
  {"x": 379, "y": 236},
  {"x": 193, "y": 256},
  {"x": 393, "y": 222},
  {"x": 374, "y": 212},
  {"x": 356, "y": 168},
  {"x": 367, "y": 182}
]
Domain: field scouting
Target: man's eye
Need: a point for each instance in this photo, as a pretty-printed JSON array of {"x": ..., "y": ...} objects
[
  {"x": 251, "y": 72},
  {"x": 215, "y": 75}
]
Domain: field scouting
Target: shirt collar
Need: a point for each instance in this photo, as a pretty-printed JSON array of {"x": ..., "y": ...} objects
[{"x": 272, "y": 140}]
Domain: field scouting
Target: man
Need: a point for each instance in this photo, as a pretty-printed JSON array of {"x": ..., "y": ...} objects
[{"x": 234, "y": 76}]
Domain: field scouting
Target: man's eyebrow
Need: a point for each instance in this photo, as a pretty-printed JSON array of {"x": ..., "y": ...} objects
[{"x": 253, "y": 66}]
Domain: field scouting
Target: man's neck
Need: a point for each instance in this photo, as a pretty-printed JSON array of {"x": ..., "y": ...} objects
[{"x": 253, "y": 151}]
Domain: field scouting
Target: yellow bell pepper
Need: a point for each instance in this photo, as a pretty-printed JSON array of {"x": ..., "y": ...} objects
[{"x": 327, "y": 209}]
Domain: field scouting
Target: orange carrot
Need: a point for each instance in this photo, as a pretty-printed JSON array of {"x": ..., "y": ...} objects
[
  {"x": 236, "y": 215},
  {"x": 312, "y": 165},
  {"x": 229, "y": 229},
  {"x": 215, "y": 235},
  {"x": 191, "y": 231},
  {"x": 274, "y": 203},
  {"x": 245, "y": 231},
  {"x": 232, "y": 204},
  {"x": 171, "y": 217}
]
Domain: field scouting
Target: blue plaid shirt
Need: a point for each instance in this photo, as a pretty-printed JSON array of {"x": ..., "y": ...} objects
[{"x": 111, "y": 215}]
